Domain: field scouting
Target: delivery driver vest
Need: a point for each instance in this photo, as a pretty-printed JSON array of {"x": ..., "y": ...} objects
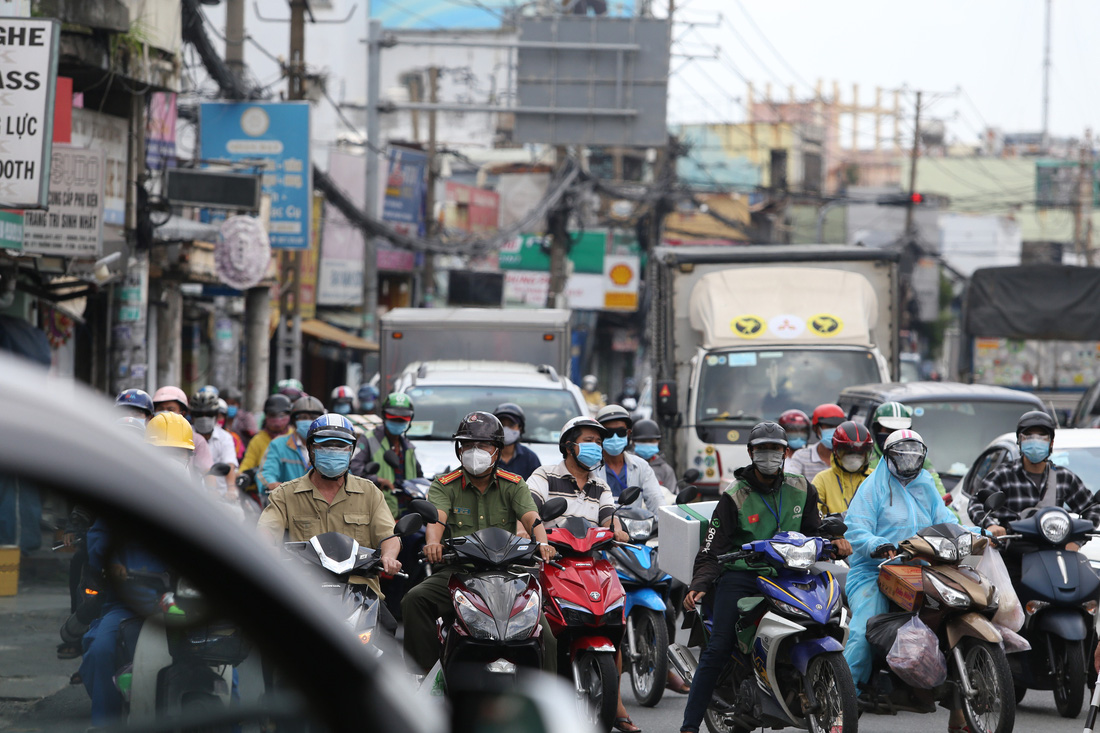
[{"x": 760, "y": 516}]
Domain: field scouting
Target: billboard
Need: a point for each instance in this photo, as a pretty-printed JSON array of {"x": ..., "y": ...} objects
[
  {"x": 406, "y": 188},
  {"x": 436, "y": 14}
]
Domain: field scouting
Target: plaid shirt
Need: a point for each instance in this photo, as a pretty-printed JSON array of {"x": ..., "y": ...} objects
[{"x": 1023, "y": 492}]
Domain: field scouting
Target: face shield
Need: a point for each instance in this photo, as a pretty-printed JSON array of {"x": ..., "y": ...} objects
[{"x": 907, "y": 458}]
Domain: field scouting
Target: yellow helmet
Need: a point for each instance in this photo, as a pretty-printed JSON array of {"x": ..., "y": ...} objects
[{"x": 169, "y": 430}]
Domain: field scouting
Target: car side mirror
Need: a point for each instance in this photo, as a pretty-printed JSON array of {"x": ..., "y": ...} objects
[
  {"x": 995, "y": 501},
  {"x": 391, "y": 459},
  {"x": 692, "y": 475},
  {"x": 219, "y": 469},
  {"x": 629, "y": 495},
  {"x": 425, "y": 510},
  {"x": 553, "y": 509},
  {"x": 409, "y": 524},
  {"x": 688, "y": 495}
]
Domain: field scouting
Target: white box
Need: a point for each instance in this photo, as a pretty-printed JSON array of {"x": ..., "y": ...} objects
[{"x": 682, "y": 529}]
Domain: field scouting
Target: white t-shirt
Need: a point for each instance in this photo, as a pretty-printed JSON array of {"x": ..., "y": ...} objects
[{"x": 222, "y": 450}]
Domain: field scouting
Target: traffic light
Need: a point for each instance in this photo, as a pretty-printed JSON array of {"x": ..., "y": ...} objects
[{"x": 902, "y": 199}]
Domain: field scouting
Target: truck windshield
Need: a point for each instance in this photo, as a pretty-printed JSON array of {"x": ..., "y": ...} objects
[
  {"x": 745, "y": 387},
  {"x": 439, "y": 409},
  {"x": 957, "y": 432}
]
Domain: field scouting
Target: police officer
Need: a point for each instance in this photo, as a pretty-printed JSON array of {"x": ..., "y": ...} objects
[
  {"x": 471, "y": 498},
  {"x": 397, "y": 414}
]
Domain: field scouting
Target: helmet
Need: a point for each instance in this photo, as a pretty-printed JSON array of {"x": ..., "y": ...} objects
[
  {"x": 512, "y": 410},
  {"x": 611, "y": 413},
  {"x": 137, "y": 398},
  {"x": 170, "y": 394},
  {"x": 204, "y": 402},
  {"x": 828, "y": 415},
  {"x": 1035, "y": 419},
  {"x": 398, "y": 404},
  {"x": 480, "y": 426},
  {"x": 132, "y": 423},
  {"x": 589, "y": 382},
  {"x": 905, "y": 450},
  {"x": 794, "y": 420},
  {"x": 232, "y": 393},
  {"x": 572, "y": 428},
  {"x": 210, "y": 388},
  {"x": 223, "y": 407},
  {"x": 292, "y": 388},
  {"x": 343, "y": 392},
  {"x": 893, "y": 415},
  {"x": 307, "y": 404},
  {"x": 367, "y": 393},
  {"x": 276, "y": 403},
  {"x": 330, "y": 427},
  {"x": 646, "y": 430},
  {"x": 852, "y": 437},
  {"x": 767, "y": 432},
  {"x": 169, "y": 430}
]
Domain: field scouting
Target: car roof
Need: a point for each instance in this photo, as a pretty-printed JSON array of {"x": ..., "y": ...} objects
[{"x": 943, "y": 391}]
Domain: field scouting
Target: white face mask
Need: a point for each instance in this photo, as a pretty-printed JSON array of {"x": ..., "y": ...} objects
[
  {"x": 852, "y": 462},
  {"x": 204, "y": 425},
  {"x": 477, "y": 461},
  {"x": 510, "y": 436}
]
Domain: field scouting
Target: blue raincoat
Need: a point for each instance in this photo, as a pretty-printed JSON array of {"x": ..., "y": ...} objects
[{"x": 883, "y": 511}]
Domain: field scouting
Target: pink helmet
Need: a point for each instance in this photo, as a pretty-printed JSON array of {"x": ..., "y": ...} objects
[{"x": 170, "y": 394}]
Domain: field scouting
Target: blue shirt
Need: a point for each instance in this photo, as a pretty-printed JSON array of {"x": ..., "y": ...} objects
[
  {"x": 524, "y": 462},
  {"x": 286, "y": 459}
]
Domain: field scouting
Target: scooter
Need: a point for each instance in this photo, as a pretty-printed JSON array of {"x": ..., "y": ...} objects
[
  {"x": 1058, "y": 590},
  {"x": 407, "y": 491},
  {"x": 584, "y": 606},
  {"x": 793, "y": 637},
  {"x": 645, "y": 643}
]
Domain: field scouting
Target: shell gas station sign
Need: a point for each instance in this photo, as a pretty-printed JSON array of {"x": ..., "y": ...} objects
[{"x": 620, "y": 286}]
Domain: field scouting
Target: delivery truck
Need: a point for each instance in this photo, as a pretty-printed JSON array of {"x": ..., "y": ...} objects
[{"x": 742, "y": 334}]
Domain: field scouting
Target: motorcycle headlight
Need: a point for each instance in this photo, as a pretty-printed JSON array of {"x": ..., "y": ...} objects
[
  {"x": 480, "y": 624},
  {"x": 639, "y": 530},
  {"x": 965, "y": 543},
  {"x": 795, "y": 557},
  {"x": 950, "y": 596},
  {"x": 791, "y": 609},
  {"x": 521, "y": 625},
  {"x": 944, "y": 548},
  {"x": 1055, "y": 527}
]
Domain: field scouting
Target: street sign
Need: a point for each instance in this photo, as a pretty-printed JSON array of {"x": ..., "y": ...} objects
[
  {"x": 433, "y": 14},
  {"x": 527, "y": 252},
  {"x": 275, "y": 137},
  {"x": 74, "y": 224},
  {"x": 29, "y": 57}
]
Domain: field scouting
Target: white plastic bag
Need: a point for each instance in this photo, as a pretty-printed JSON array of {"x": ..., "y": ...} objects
[
  {"x": 1010, "y": 613},
  {"x": 1012, "y": 642},
  {"x": 916, "y": 656}
]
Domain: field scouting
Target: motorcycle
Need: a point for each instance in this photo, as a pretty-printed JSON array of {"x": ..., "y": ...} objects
[
  {"x": 407, "y": 491},
  {"x": 584, "y": 607},
  {"x": 926, "y": 579},
  {"x": 793, "y": 635},
  {"x": 645, "y": 642},
  {"x": 1058, "y": 590}
]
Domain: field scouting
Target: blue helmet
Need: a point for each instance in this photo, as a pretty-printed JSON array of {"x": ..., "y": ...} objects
[
  {"x": 137, "y": 398},
  {"x": 331, "y": 427},
  {"x": 367, "y": 393}
]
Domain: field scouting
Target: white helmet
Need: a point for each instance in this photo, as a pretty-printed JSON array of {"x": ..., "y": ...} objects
[{"x": 905, "y": 453}]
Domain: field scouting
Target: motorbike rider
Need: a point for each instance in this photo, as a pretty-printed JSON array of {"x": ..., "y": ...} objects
[
  {"x": 368, "y": 395},
  {"x": 514, "y": 455},
  {"x": 241, "y": 422},
  {"x": 837, "y": 484},
  {"x": 276, "y": 423},
  {"x": 224, "y": 424},
  {"x": 647, "y": 446},
  {"x": 813, "y": 459},
  {"x": 621, "y": 469},
  {"x": 397, "y": 414},
  {"x": 797, "y": 425},
  {"x": 891, "y": 416},
  {"x": 290, "y": 388},
  {"x": 628, "y": 398},
  {"x": 135, "y": 402},
  {"x": 474, "y": 497},
  {"x": 342, "y": 400},
  {"x": 204, "y": 416},
  {"x": 593, "y": 398},
  {"x": 762, "y": 500},
  {"x": 287, "y": 457},
  {"x": 896, "y": 501},
  {"x": 172, "y": 399}
]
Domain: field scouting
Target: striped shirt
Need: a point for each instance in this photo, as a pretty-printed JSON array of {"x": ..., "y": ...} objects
[{"x": 593, "y": 502}]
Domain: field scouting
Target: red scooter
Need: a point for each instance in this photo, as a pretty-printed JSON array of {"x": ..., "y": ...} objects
[{"x": 583, "y": 602}]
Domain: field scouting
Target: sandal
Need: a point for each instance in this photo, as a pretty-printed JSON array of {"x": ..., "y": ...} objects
[
  {"x": 69, "y": 651},
  {"x": 678, "y": 686},
  {"x": 76, "y": 679},
  {"x": 958, "y": 728},
  {"x": 622, "y": 723}
]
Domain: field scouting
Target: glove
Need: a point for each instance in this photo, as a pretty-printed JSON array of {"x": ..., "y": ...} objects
[{"x": 886, "y": 550}]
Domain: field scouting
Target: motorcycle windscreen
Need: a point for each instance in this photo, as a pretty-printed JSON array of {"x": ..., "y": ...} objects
[{"x": 498, "y": 591}]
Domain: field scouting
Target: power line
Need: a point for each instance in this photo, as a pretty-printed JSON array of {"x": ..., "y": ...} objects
[{"x": 745, "y": 12}]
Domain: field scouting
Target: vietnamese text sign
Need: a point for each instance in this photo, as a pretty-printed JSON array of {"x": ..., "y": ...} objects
[
  {"x": 532, "y": 252},
  {"x": 111, "y": 134},
  {"x": 406, "y": 186},
  {"x": 11, "y": 230},
  {"x": 28, "y": 69},
  {"x": 275, "y": 135},
  {"x": 74, "y": 224}
]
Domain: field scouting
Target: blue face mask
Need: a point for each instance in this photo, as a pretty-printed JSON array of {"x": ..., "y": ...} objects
[
  {"x": 797, "y": 443},
  {"x": 231, "y": 412},
  {"x": 342, "y": 408},
  {"x": 646, "y": 451},
  {"x": 589, "y": 455},
  {"x": 396, "y": 427},
  {"x": 614, "y": 445},
  {"x": 331, "y": 462},
  {"x": 1035, "y": 449},
  {"x": 302, "y": 427},
  {"x": 367, "y": 406},
  {"x": 827, "y": 437}
]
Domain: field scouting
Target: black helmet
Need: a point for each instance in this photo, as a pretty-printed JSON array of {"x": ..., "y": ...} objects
[
  {"x": 512, "y": 410},
  {"x": 276, "y": 403},
  {"x": 570, "y": 430},
  {"x": 767, "y": 432},
  {"x": 1035, "y": 419},
  {"x": 308, "y": 405},
  {"x": 204, "y": 402},
  {"x": 480, "y": 426},
  {"x": 646, "y": 430},
  {"x": 612, "y": 413}
]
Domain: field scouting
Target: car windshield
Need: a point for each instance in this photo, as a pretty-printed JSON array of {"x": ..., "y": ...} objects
[
  {"x": 440, "y": 409},
  {"x": 748, "y": 386},
  {"x": 1085, "y": 462},
  {"x": 958, "y": 431}
]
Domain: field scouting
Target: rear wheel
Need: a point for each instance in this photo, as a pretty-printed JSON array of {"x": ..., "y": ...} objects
[
  {"x": 649, "y": 668},
  {"x": 1068, "y": 670},
  {"x": 600, "y": 682},
  {"x": 831, "y": 680},
  {"x": 992, "y": 709}
]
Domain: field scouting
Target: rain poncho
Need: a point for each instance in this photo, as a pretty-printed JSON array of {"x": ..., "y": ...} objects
[{"x": 882, "y": 512}]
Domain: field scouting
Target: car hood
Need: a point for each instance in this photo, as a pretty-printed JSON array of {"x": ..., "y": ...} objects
[{"x": 438, "y": 456}]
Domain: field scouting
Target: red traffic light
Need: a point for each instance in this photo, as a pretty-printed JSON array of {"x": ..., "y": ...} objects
[{"x": 916, "y": 198}]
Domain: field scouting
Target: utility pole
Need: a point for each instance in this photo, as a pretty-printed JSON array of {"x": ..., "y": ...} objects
[
  {"x": 1045, "y": 144},
  {"x": 433, "y": 175},
  {"x": 370, "y": 250},
  {"x": 557, "y": 224},
  {"x": 1082, "y": 219},
  {"x": 910, "y": 228}
]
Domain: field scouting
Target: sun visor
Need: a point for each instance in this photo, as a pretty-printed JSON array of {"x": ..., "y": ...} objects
[{"x": 794, "y": 305}]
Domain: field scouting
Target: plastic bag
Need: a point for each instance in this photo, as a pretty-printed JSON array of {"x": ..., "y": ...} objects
[
  {"x": 1010, "y": 613},
  {"x": 916, "y": 656},
  {"x": 882, "y": 631},
  {"x": 1011, "y": 641}
]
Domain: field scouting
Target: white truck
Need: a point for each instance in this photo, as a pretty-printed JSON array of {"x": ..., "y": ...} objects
[{"x": 745, "y": 333}]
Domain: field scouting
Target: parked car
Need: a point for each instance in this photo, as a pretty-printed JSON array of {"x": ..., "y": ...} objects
[
  {"x": 1087, "y": 412},
  {"x": 956, "y": 420}
]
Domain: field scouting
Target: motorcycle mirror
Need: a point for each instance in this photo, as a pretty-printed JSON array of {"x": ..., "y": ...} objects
[
  {"x": 995, "y": 501},
  {"x": 371, "y": 469},
  {"x": 408, "y": 524},
  {"x": 692, "y": 475},
  {"x": 688, "y": 495},
  {"x": 219, "y": 469},
  {"x": 553, "y": 509},
  {"x": 833, "y": 526},
  {"x": 629, "y": 495},
  {"x": 425, "y": 510},
  {"x": 391, "y": 459}
]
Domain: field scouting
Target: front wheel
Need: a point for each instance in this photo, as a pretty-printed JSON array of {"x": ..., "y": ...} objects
[
  {"x": 992, "y": 709},
  {"x": 1068, "y": 670},
  {"x": 599, "y": 679},
  {"x": 649, "y": 667},
  {"x": 831, "y": 681}
]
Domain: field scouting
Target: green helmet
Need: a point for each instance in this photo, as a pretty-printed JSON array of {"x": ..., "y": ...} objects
[
  {"x": 397, "y": 404},
  {"x": 893, "y": 415}
]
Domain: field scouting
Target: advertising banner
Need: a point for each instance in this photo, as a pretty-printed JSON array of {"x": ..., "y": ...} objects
[
  {"x": 406, "y": 186},
  {"x": 160, "y": 131},
  {"x": 74, "y": 224},
  {"x": 112, "y": 135},
  {"x": 340, "y": 280},
  {"x": 532, "y": 252}
]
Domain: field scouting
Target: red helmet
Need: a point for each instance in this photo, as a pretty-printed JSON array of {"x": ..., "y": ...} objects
[
  {"x": 794, "y": 420},
  {"x": 829, "y": 415},
  {"x": 852, "y": 437}
]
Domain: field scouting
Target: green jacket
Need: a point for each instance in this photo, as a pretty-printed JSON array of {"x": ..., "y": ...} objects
[{"x": 374, "y": 446}]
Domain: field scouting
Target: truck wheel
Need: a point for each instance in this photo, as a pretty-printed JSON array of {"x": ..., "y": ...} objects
[{"x": 649, "y": 671}]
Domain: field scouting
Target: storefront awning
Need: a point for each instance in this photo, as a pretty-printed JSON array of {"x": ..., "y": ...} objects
[{"x": 323, "y": 331}]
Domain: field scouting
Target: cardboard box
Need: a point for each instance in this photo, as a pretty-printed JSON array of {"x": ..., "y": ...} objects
[
  {"x": 682, "y": 528},
  {"x": 9, "y": 570},
  {"x": 902, "y": 584}
]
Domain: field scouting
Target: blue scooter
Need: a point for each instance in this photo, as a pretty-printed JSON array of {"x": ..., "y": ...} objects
[{"x": 645, "y": 643}]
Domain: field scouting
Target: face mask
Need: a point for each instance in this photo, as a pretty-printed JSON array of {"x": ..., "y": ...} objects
[
  {"x": 231, "y": 412},
  {"x": 827, "y": 437},
  {"x": 1035, "y": 449},
  {"x": 646, "y": 451},
  {"x": 768, "y": 462},
  {"x": 302, "y": 426},
  {"x": 477, "y": 461},
  {"x": 853, "y": 463},
  {"x": 614, "y": 445},
  {"x": 205, "y": 425},
  {"x": 342, "y": 408},
  {"x": 367, "y": 406},
  {"x": 589, "y": 455},
  {"x": 796, "y": 441},
  {"x": 330, "y": 462},
  {"x": 510, "y": 436},
  {"x": 277, "y": 425},
  {"x": 396, "y": 427}
]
